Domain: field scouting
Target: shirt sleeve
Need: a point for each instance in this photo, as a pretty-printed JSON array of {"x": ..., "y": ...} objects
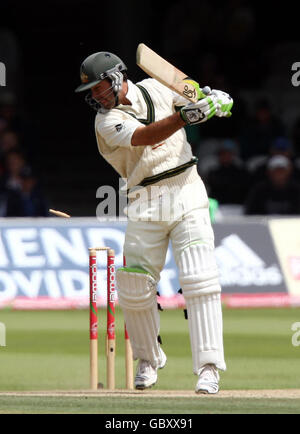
[
  {"x": 180, "y": 101},
  {"x": 117, "y": 132}
]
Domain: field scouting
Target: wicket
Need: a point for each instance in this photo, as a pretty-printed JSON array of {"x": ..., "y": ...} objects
[{"x": 110, "y": 334}]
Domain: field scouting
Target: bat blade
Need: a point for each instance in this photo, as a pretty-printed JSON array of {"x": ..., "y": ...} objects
[{"x": 164, "y": 72}]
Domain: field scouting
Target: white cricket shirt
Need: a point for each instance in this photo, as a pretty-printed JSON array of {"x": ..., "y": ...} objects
[{"x": 114, "y": 131}]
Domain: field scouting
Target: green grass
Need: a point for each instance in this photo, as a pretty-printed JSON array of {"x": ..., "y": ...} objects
[
  {"x": 110, "y": 405},
  {"x": 50, "y": 351},
  {"x": 259, "y": 350}
]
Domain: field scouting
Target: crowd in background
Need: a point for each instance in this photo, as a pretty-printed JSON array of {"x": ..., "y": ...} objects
[
  {"x": 20, "y": 192},
  {"x": 249, "y": 163},
  {"x": 255, "y": 170},
  {"x": 258, "y": 169}
]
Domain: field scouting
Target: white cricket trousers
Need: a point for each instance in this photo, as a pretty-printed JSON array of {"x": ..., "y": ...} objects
[{"x": 184, "y": 219}]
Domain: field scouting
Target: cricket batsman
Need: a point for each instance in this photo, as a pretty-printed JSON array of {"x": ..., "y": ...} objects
[{"x": 140, "y": 132}]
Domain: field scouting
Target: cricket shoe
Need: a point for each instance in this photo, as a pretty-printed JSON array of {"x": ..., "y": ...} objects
[
  {"x": 208, "y": 382},
  {"x": 146, "y": 375}
]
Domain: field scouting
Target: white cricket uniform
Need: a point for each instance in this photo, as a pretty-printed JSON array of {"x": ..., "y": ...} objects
[
  {"x": 115, "y": 129},
  {"x": 147, "y": 237}
]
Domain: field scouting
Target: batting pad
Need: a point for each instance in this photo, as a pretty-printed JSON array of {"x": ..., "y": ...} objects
[
  {"x": 201, "y": 290},
  {"x": 206, "y": 331},
  {"x": 198, "y": 272},
  {"x": 137, "y": 298}
]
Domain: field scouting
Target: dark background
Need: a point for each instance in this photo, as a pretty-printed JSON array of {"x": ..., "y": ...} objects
[{"x": 245, "y": 48}]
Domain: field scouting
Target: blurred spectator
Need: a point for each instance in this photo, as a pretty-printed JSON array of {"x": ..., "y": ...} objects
[
  {"x": 296, "y": 136},
  {"x": 208, "y": 70},
  {"x": 229, "y": 182},
  {"x": 3, "y": 125},
  {"x": 9, "y": 112},
  {"x": 13, "y": 120},
  {"x": 8, "y": 140},
  {"x": 278, "y": 194},
  {"x": 259, "y": 131},
  {"x": 29, "y": 201},
  {"x": 280, "y": 146},
  {"x": 14, "y": 162},
  {"x": 240, "y": 21},
  {"x": 174, "y": 41}
]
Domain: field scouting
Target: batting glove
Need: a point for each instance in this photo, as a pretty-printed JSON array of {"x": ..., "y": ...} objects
[
  {"x": 201, "y": 111},
  {"x": 225, "y": 101}
]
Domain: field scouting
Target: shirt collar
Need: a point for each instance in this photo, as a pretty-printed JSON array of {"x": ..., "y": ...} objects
[{"x": 132, "y": 94}]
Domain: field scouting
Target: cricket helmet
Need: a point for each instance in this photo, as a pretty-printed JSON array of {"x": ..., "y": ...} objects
[{"x": 98, "y": 67}]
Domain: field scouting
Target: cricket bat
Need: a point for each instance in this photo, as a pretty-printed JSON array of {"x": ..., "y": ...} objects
[{"x": 165, "y": 73}]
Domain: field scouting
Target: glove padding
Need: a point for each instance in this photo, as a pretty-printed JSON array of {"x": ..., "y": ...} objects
[
  {"x": 225, "y": 101},
  {"x": 201, "y": 111}
]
